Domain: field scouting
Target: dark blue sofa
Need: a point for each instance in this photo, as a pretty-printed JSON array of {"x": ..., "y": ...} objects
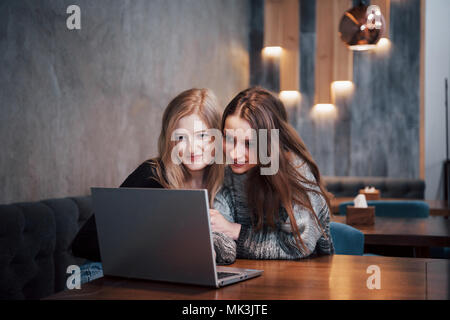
[
  {"x": 35, "y": 245},
  {"x": 389, "y": 187}
]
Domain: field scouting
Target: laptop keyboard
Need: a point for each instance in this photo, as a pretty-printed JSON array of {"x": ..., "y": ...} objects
[{"x": 222, "y": 275}]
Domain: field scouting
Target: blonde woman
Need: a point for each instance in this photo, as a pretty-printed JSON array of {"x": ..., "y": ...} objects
[{"x": 186, "y": 161}]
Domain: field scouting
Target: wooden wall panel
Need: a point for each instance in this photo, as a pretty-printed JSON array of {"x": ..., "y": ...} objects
[
  {"x": 289, "y": 69},
  {"x": 324, "y": 51},
  {"x": 342, "y": 56},
  {"x": 272, "y": 23}
]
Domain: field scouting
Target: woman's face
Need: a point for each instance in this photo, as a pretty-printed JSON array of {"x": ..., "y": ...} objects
[
  {"x": 193, "y": 143},
  {"x": 238, "y": 144}
]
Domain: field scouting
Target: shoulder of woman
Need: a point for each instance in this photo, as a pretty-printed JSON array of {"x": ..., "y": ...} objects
[
  {"x": 302, "y": 167},
  {"x": 143, "y": 176},
  {"x": 151, "y": 163}
]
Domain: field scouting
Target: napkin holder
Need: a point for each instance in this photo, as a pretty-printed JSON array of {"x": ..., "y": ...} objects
[
  {"x": 372, "y": 195},
  {"x": 360, "y": 216}
]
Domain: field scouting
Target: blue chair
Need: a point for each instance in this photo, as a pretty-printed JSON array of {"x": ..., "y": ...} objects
[
  {"x": 346, "y": 239},
  {"x": 394, "y": 208}
]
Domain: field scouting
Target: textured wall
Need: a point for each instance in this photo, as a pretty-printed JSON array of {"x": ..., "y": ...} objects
[
  {"x": 264, "y": 71},
  {"x": 385, "y": 110},
  {"x": 83, "y": 108},
  {"x": 304, "y": 124},
  {"x": 376, "y": 132}
]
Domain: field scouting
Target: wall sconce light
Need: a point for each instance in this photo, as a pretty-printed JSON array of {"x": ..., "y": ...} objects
[
  {"x": 273, "y": 28},
  {"x": 341, "y": 91},
  {"x": 383, "y": 45},
  {"x": 272, "y": 52},
  {"x": 290, "y": 98},
  {"x": 342, "y": 87},
  {"x": 362, "y": 27},
  {"x": 324, "y": 111}
]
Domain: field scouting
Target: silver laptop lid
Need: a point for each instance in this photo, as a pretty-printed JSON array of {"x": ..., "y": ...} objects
[{"x": 155, "y": 234}]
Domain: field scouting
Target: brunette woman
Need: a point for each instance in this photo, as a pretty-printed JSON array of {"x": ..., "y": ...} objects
[{"x": 283, "y": 215}]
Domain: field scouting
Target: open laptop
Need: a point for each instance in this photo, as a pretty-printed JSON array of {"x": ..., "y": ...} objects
[{"x": 159, "y": 234}]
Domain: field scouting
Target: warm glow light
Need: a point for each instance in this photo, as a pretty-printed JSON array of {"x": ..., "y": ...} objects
[
  {"x": 323, "y": 110},
  {"x": 383, "y": 45},
  {"x": 290, "y": 98},
  {"x": 363, "y": 47},
  {"x": 272, "y": 51},
  {"x": 342, "y": 88},
  {"x": 342, "y": 85},
  {"x": 290, "y": 95}
]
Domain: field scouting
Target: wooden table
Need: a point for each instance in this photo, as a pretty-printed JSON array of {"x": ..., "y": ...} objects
[
  {"x": 433, "y": 231},
  {"x": 326, "y": 277},
  {"x": 437, "y": 207}
]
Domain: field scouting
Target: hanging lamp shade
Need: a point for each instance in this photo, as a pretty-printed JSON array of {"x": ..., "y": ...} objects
[{"x": 361, "y": 27}]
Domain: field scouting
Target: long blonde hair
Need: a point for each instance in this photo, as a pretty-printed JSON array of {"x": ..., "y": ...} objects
[{"x": 202, "y": 102}]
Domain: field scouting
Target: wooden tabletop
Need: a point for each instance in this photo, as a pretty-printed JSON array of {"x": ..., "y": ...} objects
[
  {"x": 437, "y": 207},
  {"x": 326, "y": 277},
  {"x": 433, "y": 231}
]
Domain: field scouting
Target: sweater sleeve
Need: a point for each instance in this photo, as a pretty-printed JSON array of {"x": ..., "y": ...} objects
[
  {"x": 225, "y": 248},
  {"x": 281, "y": 243}
]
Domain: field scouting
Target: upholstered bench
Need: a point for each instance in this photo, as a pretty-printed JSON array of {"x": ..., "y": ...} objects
[
  {"x": 35, "y": 245},
  {"x": 389, "y": 187}
]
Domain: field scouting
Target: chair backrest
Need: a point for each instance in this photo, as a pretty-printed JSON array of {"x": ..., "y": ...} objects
[
  {"x": 400, "y": 209},
  {"x": 346, "y": 239}
]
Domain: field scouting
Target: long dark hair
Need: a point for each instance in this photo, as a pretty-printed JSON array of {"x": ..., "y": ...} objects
[{"x": 266, "y": 194}]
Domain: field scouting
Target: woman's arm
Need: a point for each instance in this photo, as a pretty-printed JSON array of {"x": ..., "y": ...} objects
[
  {"x": 225, "y": 248},
  {"x": 222, "y": 225},
  {"x": 280, "y": 243}
]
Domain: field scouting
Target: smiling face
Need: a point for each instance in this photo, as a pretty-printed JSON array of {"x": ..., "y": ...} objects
[
  {"x": 239, "y": 144},
  {"x": 193, "y": 143}
]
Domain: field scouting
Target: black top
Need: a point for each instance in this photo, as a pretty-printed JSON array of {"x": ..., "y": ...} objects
[{"x": 85, "y": 244}]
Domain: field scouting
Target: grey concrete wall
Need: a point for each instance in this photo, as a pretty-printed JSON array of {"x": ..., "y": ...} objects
[
  {"x": 264, "y": 71},
  {"x": 307, "y": 38},
  {"x": 385, "y": 110},
  {"x": 82, "y": 108}
]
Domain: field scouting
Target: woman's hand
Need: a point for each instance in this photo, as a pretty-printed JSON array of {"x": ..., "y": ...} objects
[{"x": 220, "y": 224}]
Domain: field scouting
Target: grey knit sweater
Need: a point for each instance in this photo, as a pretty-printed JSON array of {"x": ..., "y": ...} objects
[{"x": 231, "y": 202}]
